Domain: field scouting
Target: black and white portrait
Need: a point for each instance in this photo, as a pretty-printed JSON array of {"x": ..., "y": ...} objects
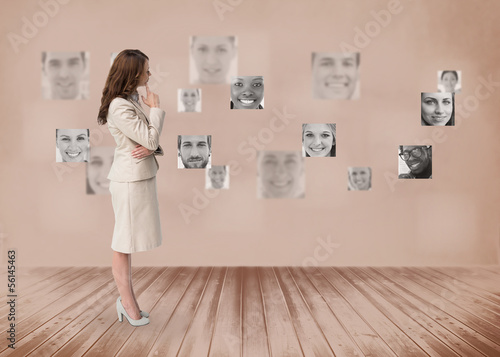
[
  {"x": 335, "y": 75},
  {"x": 213, "y": 59},
  {"x": 449, "y": 81},
  {"x": 247, "y": 92},
  {"x": 319, "y": 140},
  {"x": 280, "y": 174},
  {"x": 72, "y": 145},
  {"x": 359, "y": 178},
  {"x": 437, "y": 109},
  {"x": 194, "y": 151},
  {"x": 415, "y": 162},
  {"x": 101, "y": 159},
  {"x": 189, "y": 100},
  {"x": 65, "y": 75},
  {"x": 217, "y": 177}
]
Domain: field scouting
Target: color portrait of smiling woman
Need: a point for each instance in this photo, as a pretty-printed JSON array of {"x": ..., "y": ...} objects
[{"x": 437, "y": 109}]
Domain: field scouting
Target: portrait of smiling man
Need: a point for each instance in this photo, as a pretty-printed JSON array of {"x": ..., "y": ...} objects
[
  {"x": 194, "y": 151},
  {"x": 335, "y": 75},
  {"x": 419, "y": 161},
  {"x": 64, "y": 75}
]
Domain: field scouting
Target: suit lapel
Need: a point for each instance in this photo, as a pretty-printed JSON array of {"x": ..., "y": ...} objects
[{"x": 140, "y": 110}]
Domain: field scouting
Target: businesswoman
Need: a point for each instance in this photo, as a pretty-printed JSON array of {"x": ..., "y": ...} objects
[{"x": 133, "y": 173}]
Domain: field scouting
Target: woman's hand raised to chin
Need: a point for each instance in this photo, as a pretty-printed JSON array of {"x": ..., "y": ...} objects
[{"x": 152, "y": 100}]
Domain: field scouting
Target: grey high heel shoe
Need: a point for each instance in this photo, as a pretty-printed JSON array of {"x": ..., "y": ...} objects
[
  {"x": 121, "y": 312},
  {"x": 144, "y": 313}
]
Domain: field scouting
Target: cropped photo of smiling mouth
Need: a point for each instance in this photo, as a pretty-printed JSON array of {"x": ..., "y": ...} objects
[
  {"x": 281, "y": 186},
  {"x": 212, "y": 71},
  {"x": 317, "y": 149},
  {"x": 336, "y": 85},
  {"x": 247, "y": 101},
  {"x": 73, "y": 155}
]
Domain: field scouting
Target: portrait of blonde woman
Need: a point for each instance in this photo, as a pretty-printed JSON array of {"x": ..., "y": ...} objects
[{"x": 133, "y": 172}]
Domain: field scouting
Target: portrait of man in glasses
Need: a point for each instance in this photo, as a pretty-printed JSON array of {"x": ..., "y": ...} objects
[{"x": 419, "y": 161}]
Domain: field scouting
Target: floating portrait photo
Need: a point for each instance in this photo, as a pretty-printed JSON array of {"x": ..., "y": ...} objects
[
  {"x": 189, "y": 100},
  {"x": 247, "y": 92},
  {"x": 213, "y": 59},
  {"x": 217, "y": 177},
  {"x": 319, "y": 140},
  {"x": 101, "y": 159},
  {"x": 72, "y": 145},
  {"x": 280, "y": 174},
  {"x": 335, "y": 75},
  {"x": 415, "y": 162},
  {"x": 449, "y": 81},
  {"x": 194, "y": 151},
  {"x": 65, "y": 75},
  {"x": 437, "y": 109},
  {"x": 359, "y": 178}
]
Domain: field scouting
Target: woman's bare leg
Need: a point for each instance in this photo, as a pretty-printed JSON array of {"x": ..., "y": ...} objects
[
  {"x": 131, "y": 286},
  {"x": 122, "y": 274}
]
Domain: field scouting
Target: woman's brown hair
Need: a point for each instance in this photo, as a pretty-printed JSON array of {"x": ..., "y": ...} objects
[{"x": 123, "y": 78}]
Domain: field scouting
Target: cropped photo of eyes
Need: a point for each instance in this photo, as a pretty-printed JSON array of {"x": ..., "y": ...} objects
[
  {"x": 213, "y": 59},
  {"x": 189, "y": 100},
  {"x": 247, "y": 92},
  {"x": 280, "y": 174},
  {"x": 335, "y": 75},
  {"x": 437, "y": 109},
  {"x": 217, "y": 177},
  {"x": 359, "y": 178},
  {"x": 319, "y": 140},
  {"x": 194, "y": 151},
  {"x": 415, "y": 162},
  {"x": 449, "y": 81},
  {"x": 65, "y": 75},
  {"x": 101, "y": 159},
  {"x": 72, "y": 145}
]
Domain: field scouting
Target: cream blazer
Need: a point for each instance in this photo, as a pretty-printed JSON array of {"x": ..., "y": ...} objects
[{"x": 129, "y": 125}]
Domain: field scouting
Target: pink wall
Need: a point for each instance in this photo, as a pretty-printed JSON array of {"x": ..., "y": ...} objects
[{"x": 449, "y": 220}]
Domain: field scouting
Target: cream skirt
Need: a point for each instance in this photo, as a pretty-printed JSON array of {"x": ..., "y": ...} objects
[{"x": 137, "y": 216}]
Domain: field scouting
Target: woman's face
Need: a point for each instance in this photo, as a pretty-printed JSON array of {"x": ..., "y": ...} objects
[
  {"x": 359, "y": 178},
  {"x": 189, "y": 99},
  {"x": 73, "y": 144},
  {"x": 144, "y": 78},
  {"x": 217, "y": 176},
  {"x": 449, "y": 82},
  {"x": 280, "y": 172},
  {"x": 98, "y": 168},
  {"x": 247, "y": 92},
  {"x": 212, "y": 57},
  {"x": 437, "y": 108},
  {"x": 318, "y": 140}
]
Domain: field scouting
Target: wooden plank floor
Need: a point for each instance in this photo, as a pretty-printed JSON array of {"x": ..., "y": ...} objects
[{"x": 260, "y": 311}]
